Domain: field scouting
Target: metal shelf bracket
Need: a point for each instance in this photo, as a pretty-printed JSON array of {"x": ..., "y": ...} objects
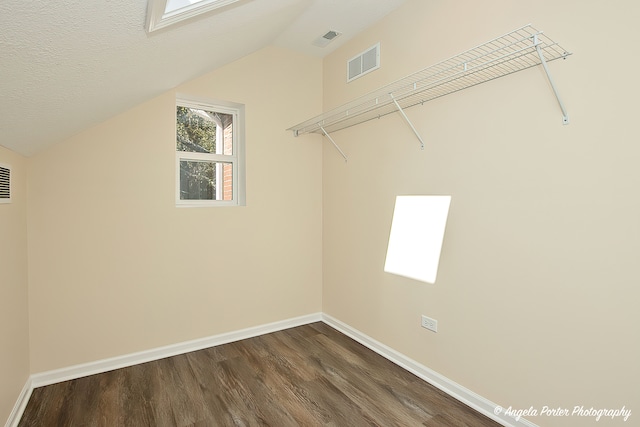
[
  {"x": 518, "y": 50},
  {"x": 406, "y": 119},
  {"x": 332, "y": 141},
  {"x": 565, "y": 116}
]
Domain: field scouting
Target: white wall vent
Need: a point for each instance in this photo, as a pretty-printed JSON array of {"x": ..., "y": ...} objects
[
  {"x": 363, "y": 63},
  {"x": 5, "y": 184}
]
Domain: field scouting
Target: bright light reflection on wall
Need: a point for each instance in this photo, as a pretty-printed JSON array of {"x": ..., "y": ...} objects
[{"x": 416, "y": 236}]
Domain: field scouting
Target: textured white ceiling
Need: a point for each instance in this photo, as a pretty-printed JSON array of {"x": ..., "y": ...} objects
[{"x": 67, "y": 65}]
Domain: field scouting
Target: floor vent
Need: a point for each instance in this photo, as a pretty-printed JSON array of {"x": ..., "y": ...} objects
[
  {"x": 5, "y": 184},
  {"x": 363, "y": 63}
]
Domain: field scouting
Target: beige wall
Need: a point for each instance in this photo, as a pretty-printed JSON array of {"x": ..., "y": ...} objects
[
  {"x": 537, "y": 290},
  {"x": 537, "y": 286},
  {"x": 14, "y": 314},
  {"x": 116, "y": 268}
]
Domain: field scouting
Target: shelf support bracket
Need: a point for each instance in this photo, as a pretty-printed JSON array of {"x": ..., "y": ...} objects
[
  {"x": 406, "y": 119},
  {"x": 332, "y": 141},
  {"x": 565, "y": 116}
]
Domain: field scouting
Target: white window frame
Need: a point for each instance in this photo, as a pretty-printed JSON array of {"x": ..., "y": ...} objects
[
  {"x": 158, "y": 19},
  {"x": 236, "y": 159}
]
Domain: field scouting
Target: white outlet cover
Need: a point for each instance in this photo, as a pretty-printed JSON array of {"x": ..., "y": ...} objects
[
  {"x": 429, "y": 323},
  {"x": 417, "y": 233}
]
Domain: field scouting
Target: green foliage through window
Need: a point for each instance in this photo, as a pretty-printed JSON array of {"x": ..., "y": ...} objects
[{"x": 196, "y": 130}]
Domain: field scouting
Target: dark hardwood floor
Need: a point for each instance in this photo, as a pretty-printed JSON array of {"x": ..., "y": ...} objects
[{"x": 310, "y": 375}]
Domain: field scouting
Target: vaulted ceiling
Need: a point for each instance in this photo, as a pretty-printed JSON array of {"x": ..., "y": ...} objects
[{"x": 67, "y": 65}]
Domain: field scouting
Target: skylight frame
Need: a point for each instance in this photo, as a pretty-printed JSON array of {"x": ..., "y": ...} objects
[{"x": 158, "y": 18}]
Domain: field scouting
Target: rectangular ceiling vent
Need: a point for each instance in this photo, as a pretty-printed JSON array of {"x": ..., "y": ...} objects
[
  {"x": 363, "y": 63},
  {"x": 326, "y": 38},
  {"x": 5, "y": 184}
]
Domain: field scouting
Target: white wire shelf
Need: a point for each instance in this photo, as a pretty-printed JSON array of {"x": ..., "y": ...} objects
[{"x": 518, "y": 50}]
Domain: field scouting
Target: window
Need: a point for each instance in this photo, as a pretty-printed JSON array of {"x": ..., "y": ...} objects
[
  {"x": 162, "y": 13},
  {"x": 209, "y": 154}
]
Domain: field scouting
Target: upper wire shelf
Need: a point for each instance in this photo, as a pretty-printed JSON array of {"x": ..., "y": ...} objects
[{"x": 518, "y": 50}]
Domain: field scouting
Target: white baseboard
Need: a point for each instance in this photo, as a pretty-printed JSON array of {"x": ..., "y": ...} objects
[
  {"x": 453, "y": 389},
  {"x": 105, "y": 365},
  {"x": 21, "y": 404},
  {"x": 464, "y": 395}
]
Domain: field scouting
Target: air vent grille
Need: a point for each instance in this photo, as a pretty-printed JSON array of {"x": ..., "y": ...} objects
[
  {"x": 363, "y": 63},
  {"x": 5, "y": 184},
  {"x": 327, "y": 38}
]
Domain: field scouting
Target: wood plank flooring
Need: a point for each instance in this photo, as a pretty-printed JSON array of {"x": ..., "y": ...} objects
[{"x": 310, "y": 375}]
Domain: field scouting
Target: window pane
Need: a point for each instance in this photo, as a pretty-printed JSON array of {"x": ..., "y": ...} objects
[
  {"x": 178, "y": 4},
  {"x": 202, "y": 131},
  {"x": 201, "y": 180}
]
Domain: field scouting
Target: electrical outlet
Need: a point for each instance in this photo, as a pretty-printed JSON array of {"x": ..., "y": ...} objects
[{"x": 429, "y": 323}]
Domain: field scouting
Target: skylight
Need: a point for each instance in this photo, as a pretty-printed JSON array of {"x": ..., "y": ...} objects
[
  {"x": 162, "y": 13},
  {"x": 173, "y": 5}
]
